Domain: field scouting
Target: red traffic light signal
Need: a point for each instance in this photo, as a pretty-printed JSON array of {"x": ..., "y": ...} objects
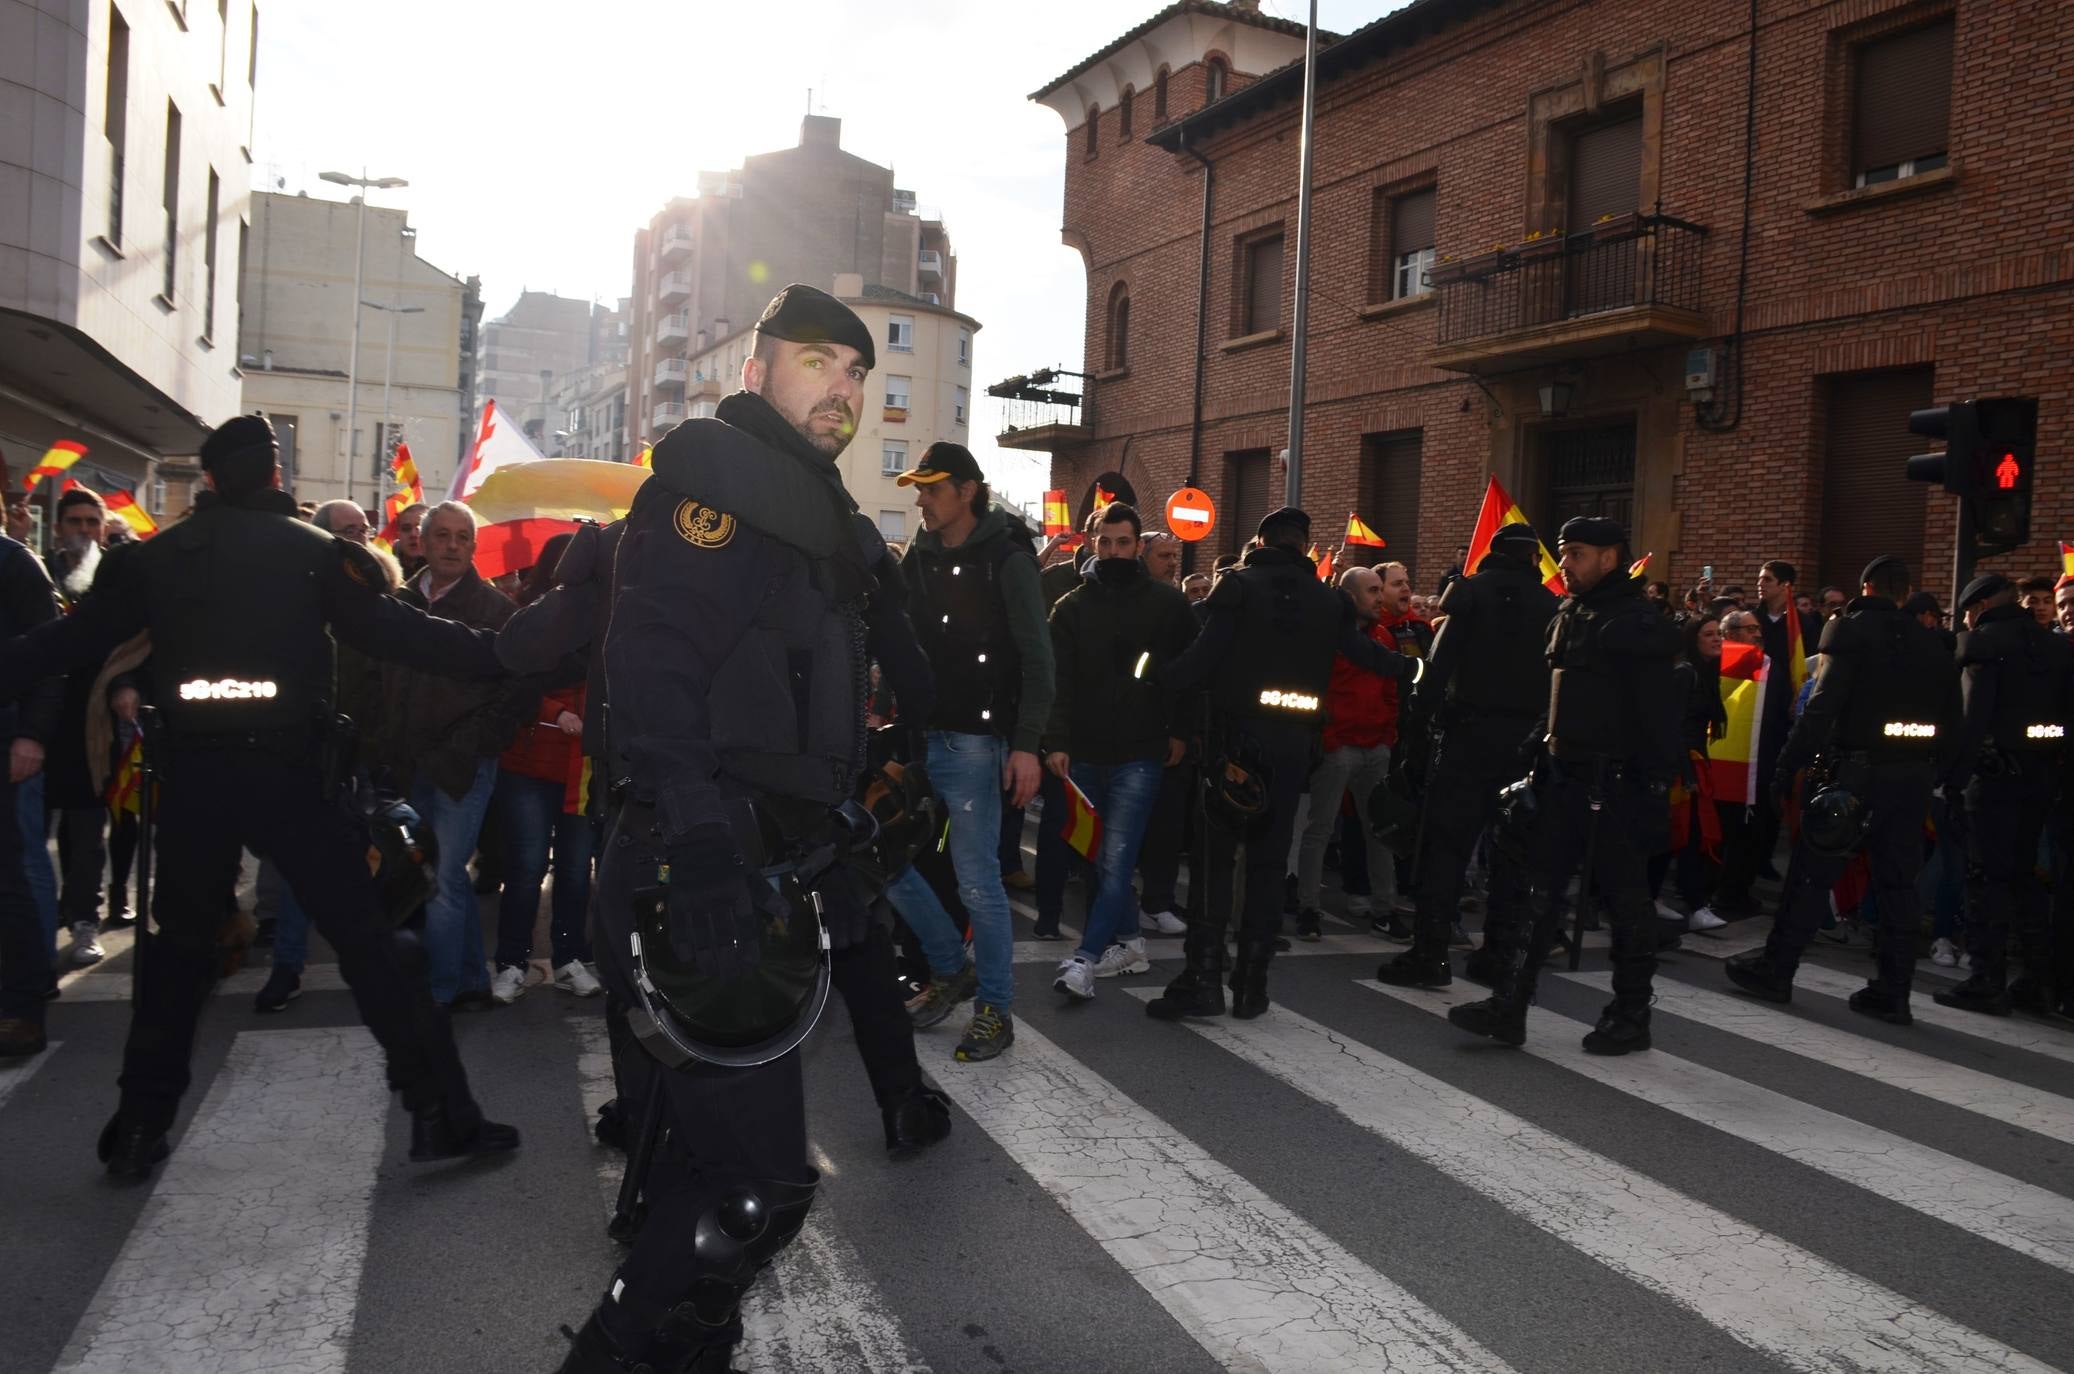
[{"x": 2007, "y": 472}]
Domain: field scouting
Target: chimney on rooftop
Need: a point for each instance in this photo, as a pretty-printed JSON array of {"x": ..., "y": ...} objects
[{"x": 820, "y": 131}]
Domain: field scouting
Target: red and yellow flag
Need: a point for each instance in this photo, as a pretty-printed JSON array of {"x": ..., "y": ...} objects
[
  {"x": 1360, "y": 535},
  {"x": 135, "y": 516},
  {"x": 1058, "y": 515},
  {"x": 126, "y": 788},
  {"x": 405, "y": 470},
  {"x": 1732, "y": 759},
  {"x": 1104, "y": 497},
  {"x": 1500, "y": 509},
  {"x": 1325, "y": 567},
  {"x": 2066, "y": 559},
  {"x": 1796, "y": 651},
  {"x": 1083, "y": 829},
  {"x": 1640, "y": 565},
  {"x": 646, "y": 457},
  {"x": 61, "y": 455}
]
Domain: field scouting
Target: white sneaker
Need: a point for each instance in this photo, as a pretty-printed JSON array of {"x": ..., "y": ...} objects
[
  {"x": 1666, "y": 912},
  {"x": 1125, "y": 956},
  {"x": 86, "y": 943},
  {"x": 508, "y": 986},
  {"x": 576, "y": 980},
  {"x": 1076, "y": 979},
  {"x": 1163, "y": 923},
  {"x": 1703, "y": 918},
  {"x": 1944, "y": 953},
  {"x": 1965, "y": 963}
]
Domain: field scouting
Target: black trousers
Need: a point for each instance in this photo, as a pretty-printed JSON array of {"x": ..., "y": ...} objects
[
  {"x": 1475, "y": 759},
  {"x": 1897, "y": 801},
  {"x": 214, "y": 803},
  {"x": 2005, "y": 818},
  {"x": 1289, "y": 751},
  {"x": 1627, "y": 829},
  {"x": 82, "y": 857},
  {"x": 24, "y": 948},
  {"x": 1166, "y": 838}
]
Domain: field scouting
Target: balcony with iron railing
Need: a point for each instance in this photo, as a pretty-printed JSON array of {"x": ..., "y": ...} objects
[
  {"x": 1630, "y": 281},
  {"x": 665, "y": 415},
  {"x": 1038, "y": 418},
  {"x": 674, "y": 287},
  {"x": 673, "y": 329},
  {"x": 671, "y": 373},
  {"x": 677, "y": 243},
  {"x": 930, "y": 264}
]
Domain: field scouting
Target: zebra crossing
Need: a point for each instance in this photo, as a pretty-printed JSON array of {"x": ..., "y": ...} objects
[{"x": 1345, "y": 1184}]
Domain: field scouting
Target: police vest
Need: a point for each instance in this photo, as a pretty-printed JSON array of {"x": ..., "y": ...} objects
[
  {"x": 1503, "y": 613},
  {"x": 1288, "y": 631},
  {"x": 961, "y": 618},
  {"x": 1613, "y": 688},
  {"x": 2032, "y": 668},
  {"x": 236, "y": 609},
  {"x": 1904, "y": 677}
]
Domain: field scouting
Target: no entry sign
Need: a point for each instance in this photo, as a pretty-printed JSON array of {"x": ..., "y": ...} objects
[{"x": 1190, "y": 514}]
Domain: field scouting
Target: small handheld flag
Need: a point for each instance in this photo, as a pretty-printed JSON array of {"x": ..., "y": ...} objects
[
  {"x": 646, "y": 457},
  {"x": 1360, "y": 535},
  {"x": 2066, "y": 559},
  {"x": 140, "y": 522},
  {"x": 1058, "y": 516},
  {"x": 1325, "y": 567},
  {"x": 1083, "y": 829},
  {"x": 61, "y": 455},
  {"x": 1640, "y": 565}
]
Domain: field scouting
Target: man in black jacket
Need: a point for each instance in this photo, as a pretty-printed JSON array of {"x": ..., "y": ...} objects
[
  {"x": 1114, "y": 730},
  {"x": 26, "y": 600}
]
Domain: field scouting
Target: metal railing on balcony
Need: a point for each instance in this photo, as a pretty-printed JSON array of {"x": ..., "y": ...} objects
[
  {"x": 931, "y": 263},
  {"x": 673, "y": 329},
  {"x": 1627, "y": 261},
  {"x": 674, "y": 286},
  {"x": 672, "y": 372},
  {"x": 667, "y": 414},
  {"x": 676, "y": 242}
]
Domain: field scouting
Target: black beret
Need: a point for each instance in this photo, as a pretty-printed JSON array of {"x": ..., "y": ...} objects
[
  {"x": 1880, "y": 564},
  {"x": 1922, "y": 603},
  {"x": 1287, "y": 515},
  {"x": 805, "y": 314},
  {"x": 1983, "y": 587},
  {"x": 1516, "y": 533},
  {"x": 1595, "y": 530},
  {"x": 238, "y": 435}
]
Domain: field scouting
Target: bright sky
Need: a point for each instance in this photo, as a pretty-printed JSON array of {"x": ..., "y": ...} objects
[{"x": 538, "y": 135}]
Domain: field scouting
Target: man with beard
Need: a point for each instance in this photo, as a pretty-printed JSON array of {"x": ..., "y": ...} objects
[{"x": 736, "y": 667}]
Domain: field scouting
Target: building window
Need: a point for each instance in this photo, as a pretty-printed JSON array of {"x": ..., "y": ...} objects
[
  {"x": 222, "y": 47},
  {"x": 252, "y": 50},
  {"x": 892, "y": 457},
  {"x": 1605, "y": 170},
  {"x": 1260, "y": 284},
  {"x": 965, "y": 347},
  {"x": 1123, "y": 114},
  {"x": 897, "y": 398},
  {"x": 1902, "y": 104},
  {"x": 1865, "y": 512},
  {"x": 158, "y": 496},
  {"x": 285, "y": 435},
  {"x": 1403, "y": 229},
  {"x": 1216, "y": 80},
  {"x": 115, "y": 116},
  {"x": 1119, "y": 340},
  {"x": 171, "y": 202},
  {"x": 1388, "y": 492},
  {"x": 1245, "y": 495},
  {"x": 1094, "y": 131},
  {"x": 961, "y": 402},
  {"x": 209, "y": 261},
  {"x": 892, "y": 524},
  {"x": 1159, "y": 97},
  {"x": 900, "y": 333}
]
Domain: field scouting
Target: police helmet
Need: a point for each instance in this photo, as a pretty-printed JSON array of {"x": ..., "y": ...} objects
[
  {"x": 403, "y": 855},
  {"x": 1393, "y": 817},
  {"x": 683, "y": 1015},
  {"x": 1833, "y": 822}
]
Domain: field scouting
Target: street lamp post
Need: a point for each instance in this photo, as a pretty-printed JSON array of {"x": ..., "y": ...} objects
[
  {"x": 366, "y": 184},
  {"x": 388, "y": 373}
]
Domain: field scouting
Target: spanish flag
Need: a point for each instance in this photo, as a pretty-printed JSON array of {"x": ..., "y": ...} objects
[
  {"x": 122, "y": 503},
  {"x": 646, "y": 457},
  {"x": 1083, "y": 829},
  {"x": 61, "y": 455},
  {"x": 1325, "y": 567},
  {"x": 1058, "y": 516},
  {"x": 126, "y": 788},
  {"x": 2066, "y": 559},
  {"x": 1500, "y": 509},
  {"x": 405, "y": 470},
  {"x": 1359, "y": 535},
  {"x": 1640, "y": 565},
  {"x": 1104, "y": 497},
  {"x": 1732, "y": 759},
  {"x": 1796, "y": 651}
]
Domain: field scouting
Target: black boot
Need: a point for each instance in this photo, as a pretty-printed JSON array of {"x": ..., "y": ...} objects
[
  {"x": 1503, "y": 1015},
  {"x": 1482, "y": 965},
  {"x": 436, "y": 1133},
  {"x": 1755, "y": 973},
  {"x": 131, "y": 1152},
  {"x": 1879, "y": 1001},
  {"x": 1417, "y": 968},
  {"x": 1249, "y": 978},
  {"x": 1198, "y": 990},
  {"x": 1623, "y": 1028},
  {"x": 2028, "y": 992},
  {"x": 917, "y": 1120},
  {"x": 611, "y": 1127},
  {"x": 1983, "y": 992}
]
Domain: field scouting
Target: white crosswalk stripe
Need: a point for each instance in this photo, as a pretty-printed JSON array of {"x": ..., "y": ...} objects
[
  {"x": 1969, "y": 1089},
  {"x": 1762, "y": 1290},
  {"x": 2013, "y": 1032},
  {"x": 15, "y": 1072}
]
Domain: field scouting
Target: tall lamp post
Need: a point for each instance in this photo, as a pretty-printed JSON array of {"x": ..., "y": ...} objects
[
  {"x": 388, "y": 376},
  {"x": 366, "y": 184},
  {"x": 1300, "y": 325}
]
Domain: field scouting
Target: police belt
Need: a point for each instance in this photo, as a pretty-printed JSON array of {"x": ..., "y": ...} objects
[
  {"x": 289, "y": 739},
  {"x": 1602, "y": 769}
]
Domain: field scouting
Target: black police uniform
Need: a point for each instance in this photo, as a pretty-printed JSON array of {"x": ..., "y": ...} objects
[
  {"x": 1878, "y": 726},
  {"x": 737, "y": 674},
  {"x": 1601, "y": 791},
  {"x": 1487, "y": 682},
  {"x": 27, "y": 600},
  {"x": 2016, "y": 677},
  {"x": 237, "y": 596},
  {"x": 1265, "y": 655}
]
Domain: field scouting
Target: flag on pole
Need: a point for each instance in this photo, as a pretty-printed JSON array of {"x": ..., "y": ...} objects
[
  {"x": 1104, "y": 497},
  {"x": 1732, "y": 759},
  {"x": 405, "y": 470},
  {"x": 1359, "y": 535},
  {"x": 1058, "y": 515},
  {"x": 2066, "y": 559},
  {"x": 1796, "y": 650},
  {"x": 1325, "y": 567},
  {"x": 61, "y": 455},
  {"x": 499, "y": 443},
  {"x": 646, "y": 457},
  {"x": 140, "y": 522},
  {"x": 1640, "y": 565},
  {"x": 1500, "y": 509},
  {"x": 1083, "y": 829}
]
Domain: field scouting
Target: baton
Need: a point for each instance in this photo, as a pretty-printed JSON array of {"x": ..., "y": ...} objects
[{"x": 627, "y": 1211}]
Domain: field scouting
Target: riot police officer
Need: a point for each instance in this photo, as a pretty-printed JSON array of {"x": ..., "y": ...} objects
[
  {"x": 1486, "y": 684},
  {"x": 1603, "y": 775},
  {"x": 236, "y": 597},
  {"x": 2016, "y": 677},
  {"x": 1876, "y": 735},
  {"x": 1265, "y": 653},
  {"x": 736, "y": 672}
]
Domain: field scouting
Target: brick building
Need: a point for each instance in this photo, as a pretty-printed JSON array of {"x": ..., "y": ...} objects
[{"x": 1530, "y": 260}]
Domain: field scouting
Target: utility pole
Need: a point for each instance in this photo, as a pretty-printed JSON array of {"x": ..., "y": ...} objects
[
  {"x": 365, "y": 183},
  {"x": 388, "y": 376},
  {"x": 1293, "y": 483}
]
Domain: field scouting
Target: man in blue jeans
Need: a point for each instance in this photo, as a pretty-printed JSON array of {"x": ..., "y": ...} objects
[
  {"x": 974, "y": 599},
  {"x": 1113, "y": 730}
]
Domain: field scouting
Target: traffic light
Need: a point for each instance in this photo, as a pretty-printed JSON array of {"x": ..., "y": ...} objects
[
  {"x": 2005, "y": 449},
  {"x": 1956, "y": 425}
]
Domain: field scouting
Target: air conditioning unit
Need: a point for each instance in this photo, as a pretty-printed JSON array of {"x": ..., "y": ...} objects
[{"x": 932, "y": 298}]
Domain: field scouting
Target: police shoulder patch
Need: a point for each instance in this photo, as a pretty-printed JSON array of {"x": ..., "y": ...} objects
[{"x": 702, "y": 526}]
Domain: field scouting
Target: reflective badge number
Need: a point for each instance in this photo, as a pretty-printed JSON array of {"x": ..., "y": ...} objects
[
  {"x": 702, "y": 526},
  {"x": 1907, "y": 729},
  {"x": 2045, "y": 732},
  {"x": 227, "y": 689}
]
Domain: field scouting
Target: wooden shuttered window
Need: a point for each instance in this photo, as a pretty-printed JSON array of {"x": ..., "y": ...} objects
[
  {"x": 1605, "y": 172},
  {"x": 1411, "y": 223},
  {"x": 1261, "y": 260},
  {"x": 1902, "y": 108},
  {"x": 1869, "y": 508},
  {"x": 1389, "y": 499},
  {"x": 1245, "y": 495}
]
